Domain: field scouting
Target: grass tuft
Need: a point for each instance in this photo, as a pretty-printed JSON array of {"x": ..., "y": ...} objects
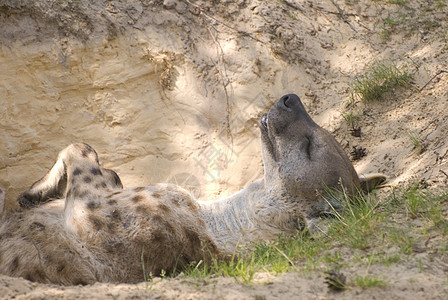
[
  {"x": 418, "y": 146},
  {"x": 380, "y": 80},
  {"x": 369, "y": 281},
  {"x": 351, "y": 119}
]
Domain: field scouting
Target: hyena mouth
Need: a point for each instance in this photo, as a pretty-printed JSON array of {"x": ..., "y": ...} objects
[{"x": 264, "y": 121}]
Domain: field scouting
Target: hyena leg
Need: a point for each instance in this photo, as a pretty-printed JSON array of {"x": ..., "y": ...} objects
[
  {"x": 52, "y": 185},
  {"x": 72, "y": 161}
]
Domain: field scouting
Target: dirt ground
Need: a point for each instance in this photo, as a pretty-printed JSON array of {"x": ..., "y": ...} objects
[{"x": 171, "y": 91}]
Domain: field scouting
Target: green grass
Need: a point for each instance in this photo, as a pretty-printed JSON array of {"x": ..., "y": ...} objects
[
  {"x": 369, "y": 281},
  {"x": 401, "y": 238},
  {"x": 415, "y": 139},
  {"x": 440, "y": 3},
  {"x": 276, "y": 257},
  {"x": 370, "y": 231},
  {"x": 397, "y": 2},
  {"x": 407, "y": 18},
  {"x": 351, "y": 119},
  {"x": 418, "y": 146},
  {"x": 415, "y": 202},
  {"x": 389, "y": 260},
  {"x": 379, "y": 81}
]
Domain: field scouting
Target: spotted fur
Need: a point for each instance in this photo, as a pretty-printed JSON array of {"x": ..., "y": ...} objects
[{"x": 98, "y": 231}]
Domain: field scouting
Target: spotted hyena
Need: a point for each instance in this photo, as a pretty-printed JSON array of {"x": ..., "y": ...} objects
[{"x": 97, "y": 231}]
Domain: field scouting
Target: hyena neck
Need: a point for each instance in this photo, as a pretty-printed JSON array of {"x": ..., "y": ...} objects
[{"x": 235, "y": 220}]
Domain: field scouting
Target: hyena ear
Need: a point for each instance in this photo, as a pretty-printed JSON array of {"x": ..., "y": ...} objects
[
  {"x": 2, "y": 203},
  {"x": 112, "y": 178},
  {"x": 371, "y": 181}
]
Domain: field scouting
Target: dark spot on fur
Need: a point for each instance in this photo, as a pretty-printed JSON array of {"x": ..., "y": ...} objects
[
  {"x": 164, "y": 207},
  {"x": 40, "y": 274},
  {"x": 37, "y": 226},
  {"x": 6, "y": 235},
  {"x": 116, "y": 193},
  {"x": 96, "y": 171},
  {"x": 101, "y": 185},
  {"x": 141, "y": 209},
  {"x": 192, "y": 236},
  {"x": 112, "y": 202},
  {"x": 169, "y": 228},
  {"x": 111, "y": 227},
  {"x": 139, "y": 189},
  {"x": 87, "y": 150},
  {"x": 175, "y": 201},
  {"x": 156, "y": 195},
  {"x": 116, "y": 215},
  {"x": 87, "y": 179},
  {"x": 114, "y": 247},
  {"x": 36, "y": 275},
  {"x": 208, "y": 246},
  {"x": 14, "y": 264},
  {"x": 157, "y": 219},
  {"x": 60, "y": 268},
  {"x": 192, "y": 206},
  {"x": 92, "y": 205},
  {"x": 77, "y": 171},
  {"x": 82, "y": 194},
  {"x": 137, "y": 198},
  {"x": 158, "y": 236},
  {"x": 97, "y": 223}
]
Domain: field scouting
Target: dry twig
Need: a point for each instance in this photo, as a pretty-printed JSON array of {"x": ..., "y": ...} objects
[
  {"x": 293, "y": 5},
  {"x": 342, "y": 15},
  {"x": 243, "y": 33},
  {"x": 432, "y": 78}
]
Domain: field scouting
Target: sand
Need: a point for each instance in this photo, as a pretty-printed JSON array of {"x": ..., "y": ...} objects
[{"x": 171, "y": 91}]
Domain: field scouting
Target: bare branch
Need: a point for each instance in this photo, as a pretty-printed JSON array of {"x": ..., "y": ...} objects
[
  {"x": 342, "y": 15},
  {"x": 432, "y": 78},
  {"x": 243, "y": 33},
  {"x": 293, "y": 5}
]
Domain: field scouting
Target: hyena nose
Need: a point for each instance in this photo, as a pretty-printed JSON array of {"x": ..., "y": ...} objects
[{"x": 288, "y": 101}]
